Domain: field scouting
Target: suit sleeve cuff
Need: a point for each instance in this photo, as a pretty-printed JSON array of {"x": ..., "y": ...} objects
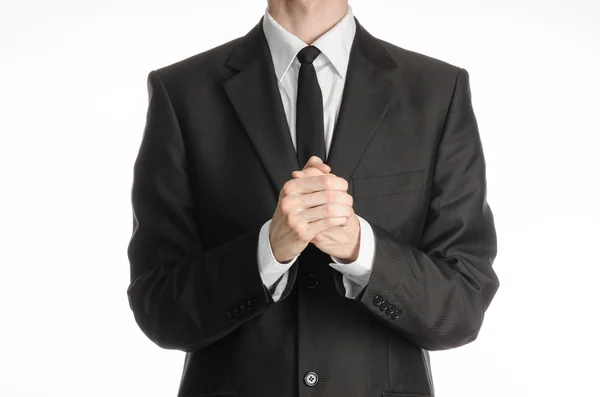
[
  {"x": 270, "y": 269},
  {"x": 359, "y": 271}
]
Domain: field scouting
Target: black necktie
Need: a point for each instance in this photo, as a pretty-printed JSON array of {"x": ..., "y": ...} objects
[{"x": 310, "y": 139}]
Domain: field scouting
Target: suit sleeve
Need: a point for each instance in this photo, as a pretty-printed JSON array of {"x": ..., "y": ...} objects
[
  {"x": 436, "y": 294},
  {"x": 183, "y": 296},
  {"x": 274, "y": 274}
]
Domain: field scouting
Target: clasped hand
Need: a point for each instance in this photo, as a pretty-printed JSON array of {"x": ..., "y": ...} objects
[{"x": 314, "y": 207}]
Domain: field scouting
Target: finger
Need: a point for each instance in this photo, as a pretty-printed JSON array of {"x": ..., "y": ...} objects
[
  {"x": 328, "y": 210},
  {"x": 313, "y": 161},
  {"x": 316, "y": 227},
  {"x": 311, "y": 171},
  {"x": 311, "y": 184},
  {"x": 321, "y": 197}
]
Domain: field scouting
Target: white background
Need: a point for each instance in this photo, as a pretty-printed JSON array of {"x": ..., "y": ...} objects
[{"x": 72, "y": 108}]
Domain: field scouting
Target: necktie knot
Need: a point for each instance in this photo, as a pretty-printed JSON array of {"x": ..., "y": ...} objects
[{"x": 308, "y": 54}]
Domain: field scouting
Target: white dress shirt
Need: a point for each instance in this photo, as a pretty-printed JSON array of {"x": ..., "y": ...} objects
[{"x": 330, "y": 66}]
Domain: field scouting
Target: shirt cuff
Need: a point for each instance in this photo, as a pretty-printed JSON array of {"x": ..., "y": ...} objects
[
  {"x": 351, "y": 288},
  {"x": 280, "y": 287},
  {"x": 270, "y": 269},
  {"x": 359, "y": 271}
]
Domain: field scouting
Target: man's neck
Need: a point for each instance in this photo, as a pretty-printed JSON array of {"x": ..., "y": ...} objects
[{"x": 308, "y": 19}]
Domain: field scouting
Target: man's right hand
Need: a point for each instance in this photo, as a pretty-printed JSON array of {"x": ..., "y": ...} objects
[{"x": 307, "y": 206}]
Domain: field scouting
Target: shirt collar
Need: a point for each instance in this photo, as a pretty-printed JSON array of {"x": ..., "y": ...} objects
[{"x": 335, "y": 44}]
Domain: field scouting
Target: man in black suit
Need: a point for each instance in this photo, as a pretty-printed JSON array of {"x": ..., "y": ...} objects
[{"x": 310, "y": 214}]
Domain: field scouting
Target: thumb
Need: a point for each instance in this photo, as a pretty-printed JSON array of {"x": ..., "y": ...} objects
[{"x": 316, "y": 162}]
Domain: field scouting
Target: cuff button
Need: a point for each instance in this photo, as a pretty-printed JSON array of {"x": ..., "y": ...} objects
[{"x": 377, "y": 300}]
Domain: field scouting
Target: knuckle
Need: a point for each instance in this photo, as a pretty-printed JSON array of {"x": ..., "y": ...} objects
[
  {"x": 312, "y": 171},
  {"x": 286, "y": 205},
  {"x": 291, "y": 222},
  {"x": 330, "y": 196},
  {"x": 285, "y": 189},
  {"x": 344, "y": 183},
  {"x": 329, "y": 209}
]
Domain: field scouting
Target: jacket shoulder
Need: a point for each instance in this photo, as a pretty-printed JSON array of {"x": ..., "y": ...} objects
[
  {"x": 422, "y": 74},
  {"x": 416, "y": 61},
  {"x": 204, "y": 66}
]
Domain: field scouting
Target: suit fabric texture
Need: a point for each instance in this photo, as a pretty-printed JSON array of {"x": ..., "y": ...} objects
[{"x": 215, "y": 153}]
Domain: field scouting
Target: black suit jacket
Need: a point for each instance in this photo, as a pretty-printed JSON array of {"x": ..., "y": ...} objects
[{"x": 216, "y": 151}]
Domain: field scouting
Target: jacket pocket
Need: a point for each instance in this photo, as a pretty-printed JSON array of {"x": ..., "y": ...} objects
[
  {"x": 399, "y": 394},
  {"x": 389, "y": 184}
]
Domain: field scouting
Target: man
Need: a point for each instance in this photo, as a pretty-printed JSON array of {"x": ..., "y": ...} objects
[{"x": 310, "y": 214}]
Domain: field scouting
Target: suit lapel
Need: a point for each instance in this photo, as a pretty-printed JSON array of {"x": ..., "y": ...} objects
[
  {"x": 255, "y": 97},
  {"x": 366, "y": 99}
]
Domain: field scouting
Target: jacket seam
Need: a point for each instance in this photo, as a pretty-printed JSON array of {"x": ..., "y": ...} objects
[
  {"x": 444, "y": 126},
  {"x": 164, "y": 88}
]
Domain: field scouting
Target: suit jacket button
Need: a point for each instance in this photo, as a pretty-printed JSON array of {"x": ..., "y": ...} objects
[
  {"x": 384, "y": 305},
  {"x": 396, "y": 314},
  {"x": 311, "y": 281},
  {"x": 377, "y": 300},
  {"x": 390, "y": 309},
  {"x": 311, "y": 379}
]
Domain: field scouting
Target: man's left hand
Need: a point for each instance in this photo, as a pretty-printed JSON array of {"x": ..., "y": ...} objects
[{"x": 342, "y": 241}]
